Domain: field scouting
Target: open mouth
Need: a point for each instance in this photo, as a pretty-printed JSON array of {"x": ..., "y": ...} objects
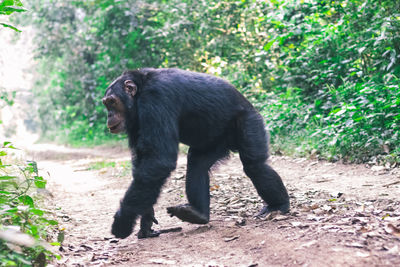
[{"x": 114, "y": 128}]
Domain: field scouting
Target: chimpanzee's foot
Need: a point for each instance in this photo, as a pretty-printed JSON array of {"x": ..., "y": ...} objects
[
  {"x": 147, "y": 233},
  {"x": 123, "y": 224},
  {"x": 187, "y": 213},
  {"x": 284, "y": 208}
]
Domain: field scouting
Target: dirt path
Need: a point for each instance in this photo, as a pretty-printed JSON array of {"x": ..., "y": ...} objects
[{"x": 342, "y": 215}]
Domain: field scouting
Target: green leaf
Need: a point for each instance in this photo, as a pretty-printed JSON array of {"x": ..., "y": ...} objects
[
  {"x": 26, "y": 200},
  {"x": 268, "y": 45},
  {"x": 12, "y": 210},
  {"x": 6, "y": 3},
  {"x": 33, "y": 164},
  {"x": 10, "y": 26},
  {"x": 6, "y": 177},
  {"x": 38, "y": 212},
  {"x": 52, "y": 222},
  {"x": 11, "y": 9},
  {"x": 7, "y": 184},
  {"x": 40, "y": 182}
]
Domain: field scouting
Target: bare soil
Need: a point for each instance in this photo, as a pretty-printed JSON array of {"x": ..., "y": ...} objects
[{"x": 341, "y": 215}]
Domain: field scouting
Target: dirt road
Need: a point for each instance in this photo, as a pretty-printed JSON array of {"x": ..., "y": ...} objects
[{"x": 342, "y": 215}]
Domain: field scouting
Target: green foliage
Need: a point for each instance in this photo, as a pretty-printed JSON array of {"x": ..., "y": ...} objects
[
  {"x": 23, "y": 225},
  {"x": 7, "y": 98},
  {"x": 356, "y": 122},
  {"x": 7, "y": 7},
  {"x": 324, "y": 73},
  {"x": 102, "y": 164},
  {"x": 120, "y": 169},
  {"x": 20, "y": 214},
  {"x": 345, "y": 60}
]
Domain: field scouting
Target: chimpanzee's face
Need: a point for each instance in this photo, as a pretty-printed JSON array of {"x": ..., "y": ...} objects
[{"x": 115, "y": 106}]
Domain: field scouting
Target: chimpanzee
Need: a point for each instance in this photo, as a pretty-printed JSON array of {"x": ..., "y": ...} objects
[{"x": 159, "y": 108}]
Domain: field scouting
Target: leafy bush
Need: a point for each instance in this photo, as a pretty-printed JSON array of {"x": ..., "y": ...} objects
[
  {"x": 355, "y": 122},
  {"x": 344, "y": 56},
  {"x": 24, "y": 226}
]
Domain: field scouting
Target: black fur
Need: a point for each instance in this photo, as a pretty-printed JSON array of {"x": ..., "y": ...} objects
[{"x": 210, "y": 116}]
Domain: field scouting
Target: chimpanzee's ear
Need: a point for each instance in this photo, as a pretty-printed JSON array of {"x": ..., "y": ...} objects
[{"x": 130, "y": 87}]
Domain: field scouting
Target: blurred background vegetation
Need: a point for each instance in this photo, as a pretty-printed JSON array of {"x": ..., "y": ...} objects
[{"x": 324, "y": 74}]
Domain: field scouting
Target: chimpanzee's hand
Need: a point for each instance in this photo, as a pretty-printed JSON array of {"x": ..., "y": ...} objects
[
  {"x": 123, "y": 224},
  {"x": 267, "y": 209},
  {"x": 187, "y": 213}
]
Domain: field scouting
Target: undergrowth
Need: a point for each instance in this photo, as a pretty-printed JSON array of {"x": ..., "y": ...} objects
[
  {"x": 25, "y": 226},
  {"x": 354, "y": 123}
]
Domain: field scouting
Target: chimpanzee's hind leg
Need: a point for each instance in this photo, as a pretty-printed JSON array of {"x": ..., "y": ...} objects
[
  {"x": 253, "y": 151},
  {"x": 146, "y": 222},
  {"x": 198, "y": 186}
]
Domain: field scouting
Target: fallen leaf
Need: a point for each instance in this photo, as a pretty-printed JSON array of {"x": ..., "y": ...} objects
[
  {"x": 308, "y": 244},
  {"x": 377, "y": 168},
  {"x": 270, "y": 216},
  {"x": 299, "y": 225},
  {"x": 240, "y": 222},
  {"x": 336, "y": 194},
  {"x": 394, "y": 250},
  {"x": 229, "y": 239},
  {"x": 162, "y": 261},
  {"x": 362, "y": 254},
  {"x": 214, "y": 187},
  {"x": 280, "y": 218},
  {"x": 391, "y": 229},
  {"x": 296, "y": 224},
  {"x": 86, "y": 247},
  {"x": 355, "y": 245}
]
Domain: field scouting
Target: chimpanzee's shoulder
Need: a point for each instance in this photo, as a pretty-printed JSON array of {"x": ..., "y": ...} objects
[{"x": 192, "y": 76}]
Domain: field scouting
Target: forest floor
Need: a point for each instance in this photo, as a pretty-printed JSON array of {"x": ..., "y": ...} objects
[{"x": 341, "y": 215}]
